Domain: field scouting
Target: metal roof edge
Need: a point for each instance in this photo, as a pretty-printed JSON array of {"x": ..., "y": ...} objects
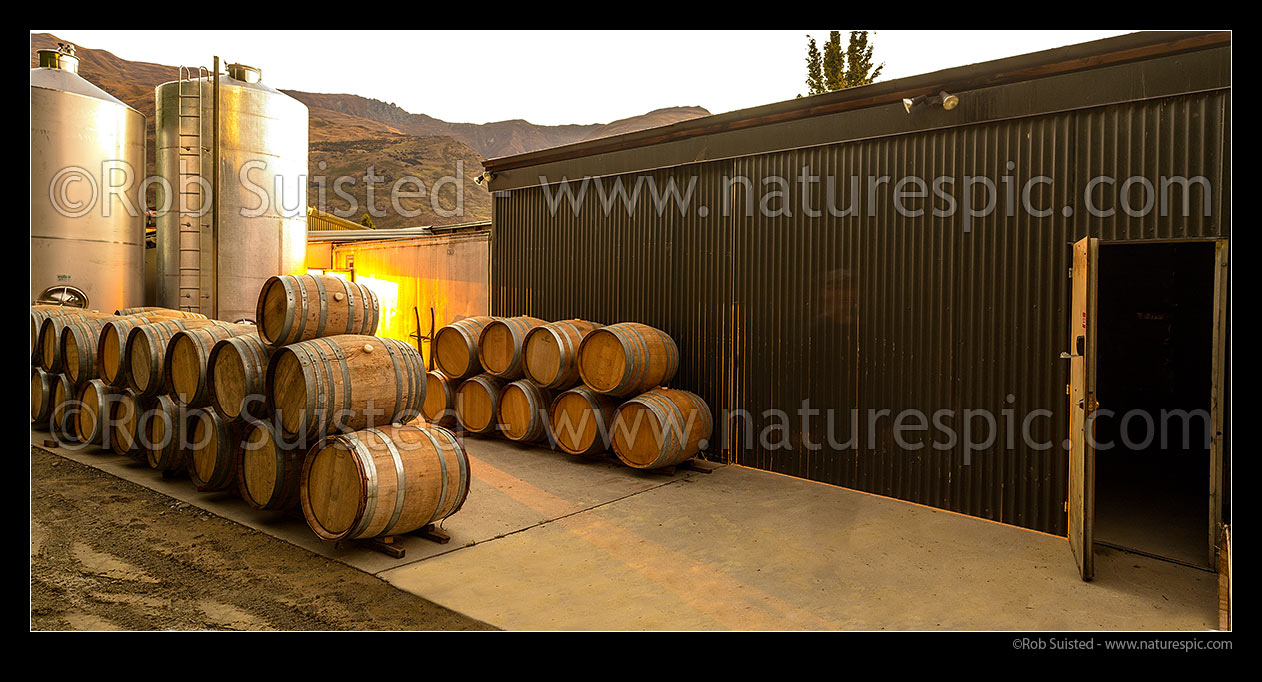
[
  {"x": 384, "y": 234},
  {"x": 1031, "y": 66}
]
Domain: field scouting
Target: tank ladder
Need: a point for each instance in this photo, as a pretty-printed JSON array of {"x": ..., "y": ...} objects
[{"x": 191, "y": 212}]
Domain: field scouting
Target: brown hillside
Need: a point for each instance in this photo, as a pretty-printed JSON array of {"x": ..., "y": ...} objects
[
  {"x": 653, "y": 119},
  {"x": 428, "y": 159},
  {"x": 491, "y": 140}
]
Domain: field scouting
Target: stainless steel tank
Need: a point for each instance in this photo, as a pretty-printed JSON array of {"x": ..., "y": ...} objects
[
  {"x": 213, "y": 255},
  {"x": 87, "y": 168}
]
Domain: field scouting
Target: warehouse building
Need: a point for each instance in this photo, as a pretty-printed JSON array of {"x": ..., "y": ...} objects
[{"x": 923, "y": 288}]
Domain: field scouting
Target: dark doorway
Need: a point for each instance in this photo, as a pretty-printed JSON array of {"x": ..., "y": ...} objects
[{"x": 1155, "y": 336}]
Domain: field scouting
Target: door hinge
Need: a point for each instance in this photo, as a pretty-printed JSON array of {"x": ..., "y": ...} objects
[
  {"x": 1066, "y": 506},
  {"x": 1066, "y": 389}
]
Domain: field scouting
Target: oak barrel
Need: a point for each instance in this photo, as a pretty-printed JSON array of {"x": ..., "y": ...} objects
[
  {"x": 660, "y": 428},
  {"x": 236, "y": 377},
  {"x": 41, "y": 313},
  {"x": 92, "y": 421},
  {"x": 384, "y": 481},
  {"x": 440, "y": 399},
  {"x": 41, "y": 396},
  {"x": 186, "y": 357},
  {"x": 346, "y": 382},
  {"x": 78, "y": 348},
  {"x": 111, "y": 347},
  {"x": 550, "y": 353},
  {"x": 50, "y": 337},
  {"x": 61, "y": 422},
  {"x": 580, "y": 419},
  {"x": 146, "y": 353},
  {"x": 270, "y": 470},
  {"x": 456, "y": 347},
  {"x": 627, "y": 358},
  {"x": 158, "y": 311},
  {"x": 125, "y": 412},
  {"x": 523, "y": 411},
  {"x": 500, "y": 345},
  {"x": 214, "y": 447},
  {"x": 160, "y": 434},
  {"x": 294, "y": 308},
  {"x": 478, "y": 403}
]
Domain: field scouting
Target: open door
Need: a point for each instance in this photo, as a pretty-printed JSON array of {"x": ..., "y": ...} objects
[
  {"x": 1082, "y": 405},
  {"x": 1218, "y": 399}
]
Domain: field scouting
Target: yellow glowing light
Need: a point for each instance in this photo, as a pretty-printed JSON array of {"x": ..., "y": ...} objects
[
  {"x": 388, "y": 298},
  {"x": 340, "y": 274}
]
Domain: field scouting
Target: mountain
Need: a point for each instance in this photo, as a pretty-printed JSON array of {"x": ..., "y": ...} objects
[
  {"x": 491, "y": 140},
  {"x": 434, "y": 160},
  {"x": 350, "y": 134},
  {"x": 653, "y": 119}
]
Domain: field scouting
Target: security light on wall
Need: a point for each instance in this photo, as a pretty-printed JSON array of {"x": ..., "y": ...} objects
[{"x": 944, "y": 98}]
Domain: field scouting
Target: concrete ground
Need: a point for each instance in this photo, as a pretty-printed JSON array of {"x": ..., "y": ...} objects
[{"x": 547, "y": 541}]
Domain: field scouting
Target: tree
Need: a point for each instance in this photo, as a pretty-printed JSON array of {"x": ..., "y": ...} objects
[
  {"x": 859, "y": 69},
  {"x": 814, "y": 72},
  {"x": 367, "y": 222},
  {"x": 834, "y": 63},
  {"x": 835, "y": 70}
]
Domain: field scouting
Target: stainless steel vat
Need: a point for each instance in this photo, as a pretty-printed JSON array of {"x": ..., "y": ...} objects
[
  {"x": 87, "y": 166},
  {"x": 216, "y": 265}
]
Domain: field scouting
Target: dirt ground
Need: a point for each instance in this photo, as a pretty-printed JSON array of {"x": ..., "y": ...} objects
[{"x": 107, "y": 554}]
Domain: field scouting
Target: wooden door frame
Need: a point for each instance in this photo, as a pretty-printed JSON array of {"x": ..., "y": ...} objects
[
  {"x": 1218, "y": 363},
  {"x": 1217, "y": 400},
  {"x": 1080, "y": 503}
]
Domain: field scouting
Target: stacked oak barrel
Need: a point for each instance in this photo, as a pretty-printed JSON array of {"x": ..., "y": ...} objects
[
  {"x": 576, "y": 385},
  {"x": 306, "y": 410},
  {"x": 327, "y": 380},
  {"x": 75, "y": 377}
]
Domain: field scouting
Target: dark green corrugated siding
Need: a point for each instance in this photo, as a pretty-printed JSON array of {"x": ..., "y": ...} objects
[{"x": 945, "y": 319}]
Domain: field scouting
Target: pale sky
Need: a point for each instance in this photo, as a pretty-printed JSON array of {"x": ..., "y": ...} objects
[{"x": 555, "y": 77}]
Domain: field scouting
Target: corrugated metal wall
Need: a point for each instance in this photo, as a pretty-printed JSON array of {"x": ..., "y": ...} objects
[{"x": 874, "y": 311}]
